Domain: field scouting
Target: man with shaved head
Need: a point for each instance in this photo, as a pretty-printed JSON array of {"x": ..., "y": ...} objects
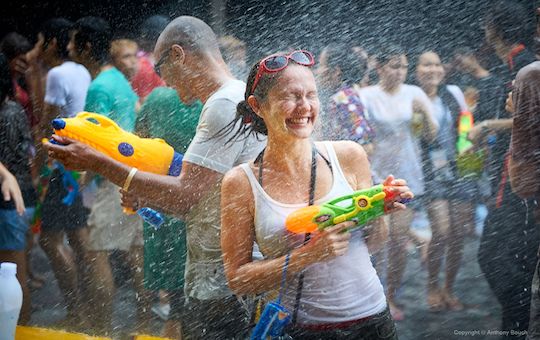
[{"x": 189, "y": 61}]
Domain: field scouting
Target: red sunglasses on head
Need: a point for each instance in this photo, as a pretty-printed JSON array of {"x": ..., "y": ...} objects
[{"x": 277, "y": 62}]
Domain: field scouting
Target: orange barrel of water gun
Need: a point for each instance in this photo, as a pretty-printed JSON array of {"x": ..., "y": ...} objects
[{"x": 103, "y": 134}]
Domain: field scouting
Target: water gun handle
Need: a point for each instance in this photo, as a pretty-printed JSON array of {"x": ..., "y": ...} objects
[{"x": 151, "y": 216}]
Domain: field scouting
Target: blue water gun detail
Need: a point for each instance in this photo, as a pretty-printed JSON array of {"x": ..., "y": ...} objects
[
  {"x": 151, "y": 216},
  {"x": 70, "y": 184}
]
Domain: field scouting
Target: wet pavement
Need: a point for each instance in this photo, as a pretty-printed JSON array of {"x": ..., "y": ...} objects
[{"x": 481, "y": 315}]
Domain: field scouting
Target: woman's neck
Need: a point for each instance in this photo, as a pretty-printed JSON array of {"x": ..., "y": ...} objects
[
  {"x": 290, "y": 157},
  {"x": 430, "y": 90},
  {"x": 390, "y": 88}
]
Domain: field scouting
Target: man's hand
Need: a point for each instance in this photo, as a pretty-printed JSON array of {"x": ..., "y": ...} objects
[
  {"x": 73, "y": 154},
  {"x": 130, "y": 201}
]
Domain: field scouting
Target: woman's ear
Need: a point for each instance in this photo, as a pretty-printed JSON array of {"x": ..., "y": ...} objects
[{"x": 254, "y": 104}]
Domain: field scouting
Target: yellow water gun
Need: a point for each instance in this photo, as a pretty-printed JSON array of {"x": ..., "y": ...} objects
[{"x": 103, "y": 134}]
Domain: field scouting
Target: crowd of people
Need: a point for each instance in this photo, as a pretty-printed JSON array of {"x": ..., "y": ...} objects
[{"x": 444, "y": 132}]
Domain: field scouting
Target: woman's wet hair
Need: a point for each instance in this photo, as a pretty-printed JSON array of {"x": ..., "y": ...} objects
[
  {"x": 511, "y": 21},
  {"x": 247, "y": 121},
  {"x": 6, "y": 85},
  {"x": 389, "y": 52}
]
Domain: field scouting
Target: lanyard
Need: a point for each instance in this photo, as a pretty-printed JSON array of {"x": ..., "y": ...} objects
[{"x": 312, "y": 183}]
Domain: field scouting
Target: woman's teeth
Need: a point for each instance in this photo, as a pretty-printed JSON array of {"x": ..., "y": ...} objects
[{"x": 298, "y": 120}]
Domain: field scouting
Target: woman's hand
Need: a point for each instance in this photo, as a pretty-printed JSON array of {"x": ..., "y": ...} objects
[
  {"x": 402, "y": 191},
  {"x": 11, "y": 191},
  {"x": 478, "y": 131},
  {"x": 329, "y": 243}
]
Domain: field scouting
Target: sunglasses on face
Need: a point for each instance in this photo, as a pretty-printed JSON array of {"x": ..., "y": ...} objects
[
  {"x": 157, "y": 66},
  {"x": 276, "y": 63}
]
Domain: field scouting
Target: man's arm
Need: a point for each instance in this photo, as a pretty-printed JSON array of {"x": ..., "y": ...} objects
[{"x": 176, "y": 195}]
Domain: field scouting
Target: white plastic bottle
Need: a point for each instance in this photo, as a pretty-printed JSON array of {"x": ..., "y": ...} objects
[{"x": 10, "y": 300}]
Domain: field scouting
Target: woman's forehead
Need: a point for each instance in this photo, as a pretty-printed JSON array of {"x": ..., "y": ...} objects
[{"x": 294, "y": 74}]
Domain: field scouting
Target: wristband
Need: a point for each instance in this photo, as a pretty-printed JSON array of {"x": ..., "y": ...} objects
[{"x": 132, "y": 173}]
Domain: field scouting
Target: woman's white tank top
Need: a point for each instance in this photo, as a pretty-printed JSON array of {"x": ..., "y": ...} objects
[{"x": 343, "y": 289}]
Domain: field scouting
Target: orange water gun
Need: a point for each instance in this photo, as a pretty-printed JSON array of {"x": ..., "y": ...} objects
[{"x": 360, "y": 206}]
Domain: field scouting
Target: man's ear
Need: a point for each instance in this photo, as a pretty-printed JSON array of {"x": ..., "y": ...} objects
[
  {"x": 178, "y": 54},
  {"x": 254, "y": 104}
]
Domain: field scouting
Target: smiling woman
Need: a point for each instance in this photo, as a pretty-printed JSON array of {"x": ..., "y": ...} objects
[{"x": 324, "y": 270}]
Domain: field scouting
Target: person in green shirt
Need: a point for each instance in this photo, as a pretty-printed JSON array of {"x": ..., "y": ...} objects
[
  {"x": 164, "y": 116},
  {"x": 110, "y": 94}
]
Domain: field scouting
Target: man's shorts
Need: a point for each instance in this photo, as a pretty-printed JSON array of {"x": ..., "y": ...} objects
[
  {"x": 13, "y": 229},
  {"x": 108, "y": 226},
  {"x": 57, "y": 216},
  {"x": 223, "y": 318}
]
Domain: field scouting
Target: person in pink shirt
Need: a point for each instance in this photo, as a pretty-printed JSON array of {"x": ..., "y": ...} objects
[{"x": 146, "y": 79}]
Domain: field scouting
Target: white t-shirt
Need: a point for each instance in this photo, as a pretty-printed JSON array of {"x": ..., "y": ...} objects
[
  {"x": 396, "y": 150},
  {"x": 205, "y": 278},
  {"x": 66, "y": 88}
]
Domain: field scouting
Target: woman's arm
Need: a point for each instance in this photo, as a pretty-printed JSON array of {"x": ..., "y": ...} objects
[
  {"x": 488, "y": 126},
  {"x": 245, "y": 276},
  {"x": 430, "y": 126},
  {"x": 355, "y": 164}
]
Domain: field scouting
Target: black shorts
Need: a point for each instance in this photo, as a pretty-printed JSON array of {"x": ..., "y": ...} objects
[
  {"x": 57, "y": 216},
  {"x": 177, "y": 301}
]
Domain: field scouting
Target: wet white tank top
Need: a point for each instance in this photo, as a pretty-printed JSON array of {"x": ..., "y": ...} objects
[{"x": 343, "y": 289}]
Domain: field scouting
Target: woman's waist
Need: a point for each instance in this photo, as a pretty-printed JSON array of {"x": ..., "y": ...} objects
[{"x": 347, "y": 323}]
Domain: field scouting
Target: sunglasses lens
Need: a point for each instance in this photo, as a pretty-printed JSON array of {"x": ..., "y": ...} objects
[
  {"x": 302, "y": 58},
  {"x": 275, "y": 63}
]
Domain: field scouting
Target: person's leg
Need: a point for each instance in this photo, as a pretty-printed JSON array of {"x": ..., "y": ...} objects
[
  {"x": 173, "y": 326},
  {"x": 13, "y": 232},
  {"x": 78, "y": 240},
  {"x": 35, "y": 281},
  {"x": 19, "y": 258},
  {"x": 461, "y": 219},
  {"x": 439, "y": 221},
  {"x": 144, "y": 297},
  {"x": 100, "y": 290},
  {"x": 397, "y": 256},
  {"x": 63, "y": 266},
  {"x": 223, "y": 318}
]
